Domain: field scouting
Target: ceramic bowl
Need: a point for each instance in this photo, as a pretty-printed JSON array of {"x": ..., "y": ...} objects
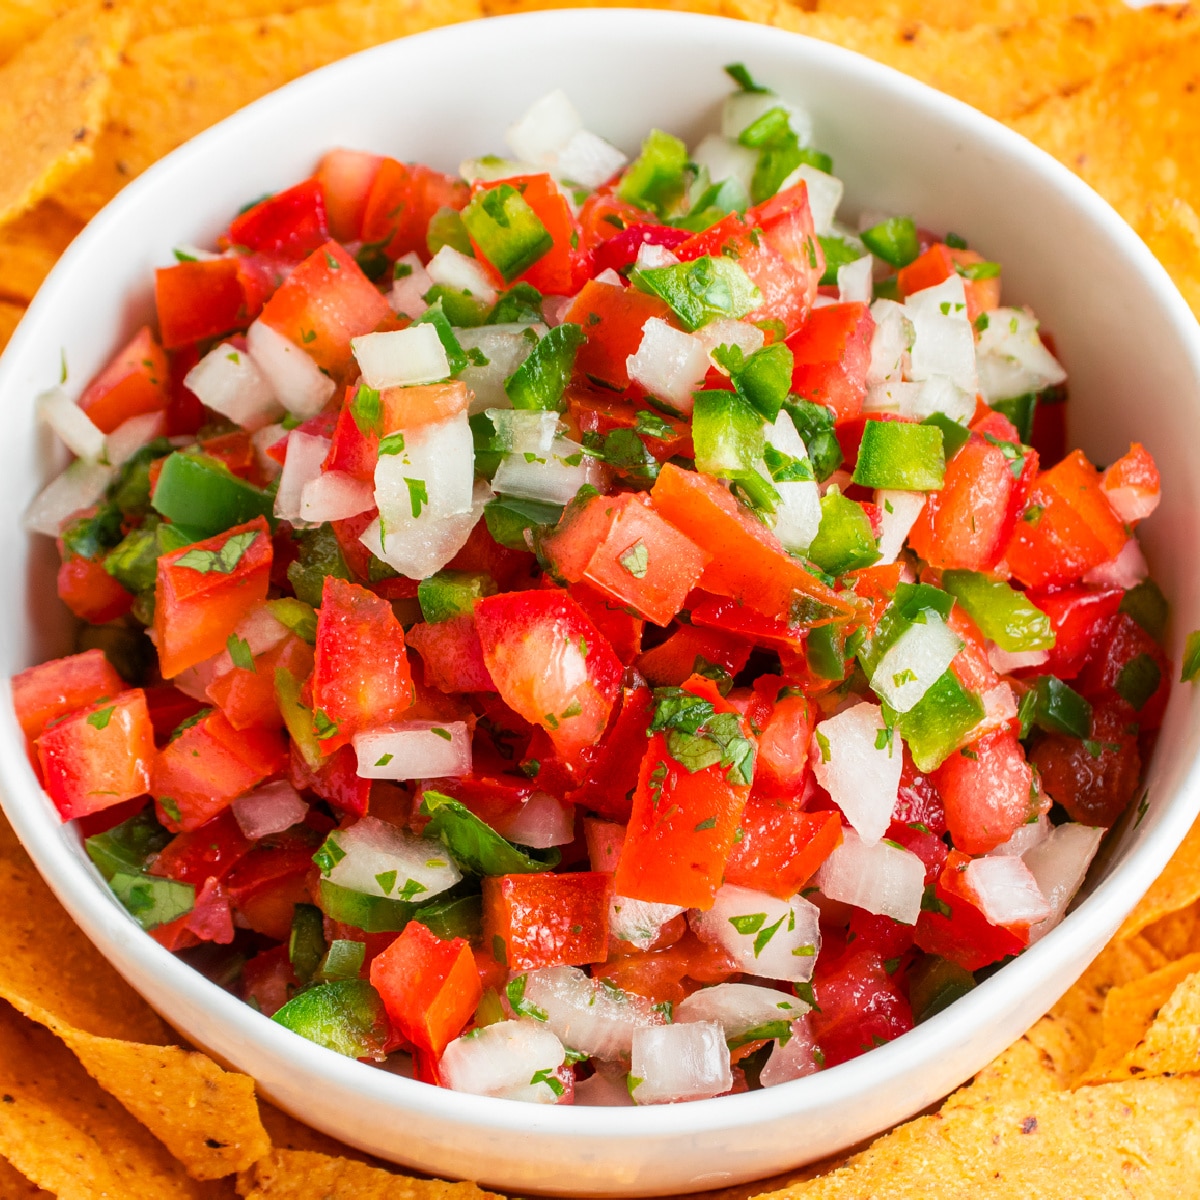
[{"x": 1129, "y": 342}]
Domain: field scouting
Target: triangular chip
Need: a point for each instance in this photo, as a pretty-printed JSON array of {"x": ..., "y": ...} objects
[{"x": 1172, "y": 231}]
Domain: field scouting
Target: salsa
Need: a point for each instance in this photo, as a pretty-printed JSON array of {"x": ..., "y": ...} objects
[{"x": 593, "y": 631}]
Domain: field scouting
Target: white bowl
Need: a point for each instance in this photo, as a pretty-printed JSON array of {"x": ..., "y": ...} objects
[{"x": 1124, "y": 333}]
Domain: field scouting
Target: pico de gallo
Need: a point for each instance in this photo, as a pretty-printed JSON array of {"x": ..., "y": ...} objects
[{"x": 594, "y": 631}]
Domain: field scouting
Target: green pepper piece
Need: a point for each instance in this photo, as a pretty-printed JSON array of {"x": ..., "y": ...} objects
[
  {"x": 347, "y": 1017},
  {"x": 814, "y": 424},
  {"x": 1019, "y": 410},
  {"x": 939, "y": 721},
  {"x": 839, "y": 252},
  {"x": 934, "y": 984},
  {"x": 901, "y": 456},
  {"x": 954, "y": 435},
  {"x": 298, "y": 718},
  {"x": 894, "y": 240},
  {"x": 203, "y": 495},
  {"x": 299, "y": 617},
  {"x": 134, "y": 562},
  {"x": 508, "y": 233},
  {"x": 1138, "y": 681},
  {"x": 763, "y": 379},
  {"x": 489, "y": 446},
  {"x": 306, "y": 943},
  {"x": 845, "y": 540},
  {"x": 474, "y": 845},
  {"x": 701, "y": 290},
  {"x": 539, "y": 382},
  {"x": 520, "y": 305},
  {"x": 447, "y": 228},
  {"x": 1148, "y": 607},
  {"x": 343, "y": 960},
  {"x": 455, "y": 355},
  {"x": 371, "y": 914},
  {"x": 151, "y": 900},
  {"x": 461, "y": 309},
  {"x": 728, "y": 436},
  {"x": 509, "y": 517},
  {"x": 655, "y": 180},
  {"x": 449, "y": 919},
  {"x": 452, "y": 594},
  {"x": 909, "y": 604},
  {"x": 91, "y": 537},
  {"x": 129, "y": 847},
  {"x": 1002, "y": 613},
  {"x": 825, "y": 649},
  {"x": 319, "y": 555},
  {"x": 1056, "y": 708}
]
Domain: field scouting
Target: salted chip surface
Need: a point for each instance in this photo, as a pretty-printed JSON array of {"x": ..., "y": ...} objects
[
  {"x": 1176, "y": 888},
  {"x": 1172, "y": 231},
  {"x": 29, "y": 248}
]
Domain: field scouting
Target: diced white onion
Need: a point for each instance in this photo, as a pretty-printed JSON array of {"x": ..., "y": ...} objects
[
  {"x": 505, "y": 347},
  {"x": 669, "y": 364},
  {"x": 271, "y": 808},
  {"x": 502, "y": 1060},
  {"x": 79, "y": 486},
  {"x": 588, "y": 160},
  {"x": 943, "y": 341},
  {"x": 414, "y": 750},
  {"x": 547, "y": 125},
  {"x": 913, "y": 663},
  {"x": 74, "y": 427},
  {"x": 418, "y": 548},
  {"x": 940, "y": 394},
  {"x": 453, "y": 269},
  {"x": 541, "y": 821},
  {"x": 726, "y": 158},
  {"x": 305, "y": 454},
  {"x": 880, "y": 878},
  {"x": 380, "y": 859},
  {"x": 401, "y": 357},
  {"x": 638, "y": 922},
  {"x": 739, "y": 1007},
  {"x": 1004, "y": 662},
  {"x": 555, "y": 309},
  {"x": 680, "y": 1062},
  {"x": 651, "y": 255},
  {"x": 259, "y": 629},
  {"x": 798, "y": 514},
  {"x": 855, "y": 281},
  {"x": 611, "y": 277},
  {"x": 555, "y": 480},
  {"x": 262, "y": 439},
  {"x": 890, "y": 342},
  {"x": 728, "y": 332},
  {"x": 227, "y": 380},
  {"x": 824, "y": 195},
  {"x": 800, "y": 1057},
  {"x": 782, "y": 945},
  {"x": 298, "y": 383},
  {"x": 1012, "y": 359},
  {"x": 899, "y": 512},
  {"x": 1125, "y": 571},
  {"x": 1025, "y": 837},
  {"x": 859, "y": 766},
  {"x": 334, "y": 496},
  {"x": 438, "y": 458},
  {"x": 132, "y": 434},
  {"x": 588, "y": 1015},
  {"x": 523, "y": 430},
  {"x": 1059, "y": 865},
  {"x": 1006, "y": 890},
  {"x": 892, "y": 395},
  {"x": 489, "y": 169},
  {"x": 409, "y": 289}
]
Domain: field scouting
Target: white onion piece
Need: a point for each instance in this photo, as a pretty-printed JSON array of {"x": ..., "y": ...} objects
[
  {"x": 651, "y": 255},
  {"x": 795, "y": 1060},
  {"x": 854, "y": 281},
  {"x": 940, "y": 394},
  {"x": 609, "y": 276},
  {"x": 401, "y": 357},
  {"x": 195, "y": 680},
  {"x": 638, "y": 922},
  {"x": 728, "y": 332},
  {"x": 75, "y": 429},
  {"x": 409, "y": 287},
  {"x": 604, "y": 1089},
  {"x": 726, "y": 158},
  {"x": 915, "y": 661},
  {"x": 943, "y": 340},
  {"x": 417, "y": 549},
  {"x": 893, "y": 395},
  {"x": 742, "y": 109},
  {"x": 502, "y": 1059},
  {"x": 414, "y": 750},
  {"x": 947, "y": 299},
  {"x": 669, "y": 364},
  {"x": 227, "y": 380},
  {"x": 680, "y": 1062},
  {"x": 798, "y": 514},
  {"x": 890, "y": 342},
  {"x": 79, "y": 486},
  {"x": 824, "y": 195},
  {"x": 298, "y": 383},
  {"x": 541, "y": 821},
  {"x": 899, "y": 512},
  {"x": 379, "y": 859},
  {"x": 262, "y": 439},
  {"x": 880, "y": 878},
  {"x": 859, "y": 768},
  {"x": 555, "y": 309},
  {"x": 739, "y": 1007},
  {"x": 766, "y": 936},
  {"x": 523, "y": 430},
  {"x": 505, "y": 347},
  {"x": 1006, "y": 891},
  {"x": 334, "y": 496},
  {"x": 453, "y": 269},
  {"x": 1132, "y": 504},
  {"x": 1025, "y": 837},
  {"x": 545, "y": 128},
  {"x": 432, "y": 477},
  {"x": 1059, "y": 866},
  {"x": 1125, "y": 571},
  {"x": 999, "y": 708},
  {"x": 1012, "y": 359},
  {"x": 1005, "y": 662},
  {"x": 586, "y": 1014},
  {"x": 269, "y": 809},
  {"x": 305, "y": 454},
  {"x": 132, "y": 434},
  {"x": 556, "y": 480},
  {"x": 588, "y": 160}
]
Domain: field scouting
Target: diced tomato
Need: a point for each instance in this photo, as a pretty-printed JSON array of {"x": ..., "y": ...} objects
[
  {"x": 208, "y": 766},
  {"x": 613, "y": 318},
  {"x": 748, "y": 563},
  {"x": 325, "y": 302},
  {"x": 336, "y": 780},
  {"x": 353, "y": 449},
  {"x": 621, "y": 250},
  {"x": 671, "y": 973},
  {"x": 1076, "y": 616},
  {"x": 861, "y": 1006},
  {"x": 780, "y": 848},
  {"x": 620, "y": 545},
  {"x": 53, "y": 689},
  {"x": 269, "y": 882},
  {"x": 831, "y": 352},
  {"x": 361, "y": 677},
  {"x": 429, "y": 987},
  {"x": 346, "y": 177},
  {"x": 402, "y": 199},
  {"x": 1133, "y": 485},
  {"x": 135, "y": 382},
  {"x": 494, "y": 799},
  {"x": 547, "y": 920},
  {"x": 919, "y": 802},
  {"x": 90, "y": 592},
  {"x": 597, "y": 411},
  {"x": 722, "y": 612},
  {"x": 924, "y": 843},
  {"x": 268, "y": 980},
  {"x": 986, "y": 788},
  {"x": 236, "y": 451},
  {"x": 452, "y": 655},
  {"x": 939, "y": 263},
  {"x": 602, "y": 217},
  {"x": 198, "y": 300},
  {"x": 169, "y": 707},
  {"x": 291, "y": 224},
  {"x": 211, "y": 851},
  {"x": 99, "y": 756},
  {"x": 211, "y": 920},
  {"x": 511, "y": 569},
  {"x": 1125, "y": 654},
  {"x": 678, "y": 658},
  {"x": 550, "y": 664},
  {"x": 197, "y": 603},
  {"x": 620, "y": 627},
  {"x": 786, "y": 721},
  {"x": 612, "y": 776},
  {"x": 247, "y": 697},
  {"x": 1068, "y": 527}
]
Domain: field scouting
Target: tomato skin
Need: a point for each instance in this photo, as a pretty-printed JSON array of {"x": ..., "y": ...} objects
[
  {"x": 291, "y": 224},
  {"x": 52, "y": 689},
  {"x": 336, "y": 780},
  {"x": 97, "y": 757},
  {"x": 547, "y": 920},
  {"x": 265, "y": 887},
  {"x": 1121, "y": 639},
  {"x": 861, "y": 1005},
  {"x": 198, "y": 300},
  {"x": 90, "y": 592},
  {"x": 452, "y": 655},
  {"x": 722, "y": 612},
  {"x": 1133, "y": 484},
  {"x": 602, "y": 217},
  {"x": 196, "y": 611},
  {"x": 211, "y": 851},
  {"x": 919, "y": 802},
  {"x": 400, "y": 203},
  {"x": 620, "y": 627},
  {"x": 613, "y": 317},
  {"x": 429, "y": 987},
  {"x": 781, "y": 848},
  {"x": 550, "y": 664},
  {"x": 346, "y": 177},
  {"x": 595, "y": 412},
  {"x": 786, "y": 721},
  {"x": 986, "y": 790},
  {"x": 671, "y": 662},
  {"x": 621, "y": 250},
  {"x": 352, "y": 450},
  {"x": 134, "y": 382},
  {"x": 1077, "y": 616},
  {"x": 612, "y": 776},
  {"x": 670, "y": 973},
  {"x": 268, "y": 980},
  {"x": 247, "y": 698},
  {"x": 832, "y": 352},
  {"x": 211, "y": 920},
  {"x": 361, "y": 675}
]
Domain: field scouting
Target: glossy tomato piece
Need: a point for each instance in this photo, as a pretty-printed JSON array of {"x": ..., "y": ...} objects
[
  {"x": 99, "y": 756},
  {"x": 402, "y": 199},
  {"x": 550, "y": 664},
  {"x": 265, "y": 887},
  {"x": 211, "y": 851},
  {"x": 336, "y": 780},
  {"x": 678, "y": 658},
  {"x": 346, "y": 177},
  {"x": 1128, "y": 670},
  {"x": 613, "y": 317},
  {"x": 354, "y": 447},
  {"x": 533, "y": 921},
  {"x": 670, "y": 973},
  {"x": 210, "y": 920},
  {"x": 562, "y": 269},
  {"x": 1133, "y": 485},
  {"x": 785, "y": 719},
  {"x": 831, "y": 353},
  {"x": 247, "y": 696},
  {"x": 50, "y": 690},
  {"x": 452, "y": 655},
  {"x": 361, "y": 677},
  {"x": 135, "y": 382},
  {"x": 90, "y": 592},
  {"x": 429, "y": 987},
  {"x": 861, "y": 1005},
  {"x": 1077, "y": 616},
  {"x": 597, "y": 411},
  {"x": 290, "y": 224},
  {"x": 620, "y": 626},
  {"x": 268, "y": 981},
  {"x": 939, "y": 263},
  {"x": 612, "y": 776},
  {"x": 621, "y": 250},
  {"x": 199, "y": 300},
  {"x": 202, "y": 592},
  {"x": 781, "y": 848},
  {"x": 986, "y": 788},
  {"x": 918, "y": 801}
]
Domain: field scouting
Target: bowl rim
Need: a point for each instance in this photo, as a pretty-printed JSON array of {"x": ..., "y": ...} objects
[{"x": 124, "y": 944}]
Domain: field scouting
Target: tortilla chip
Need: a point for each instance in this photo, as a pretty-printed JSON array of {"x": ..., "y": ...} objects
[
  {"x": 1131, "y": 133},
  {"x": 303, "y": 1175},
  {"x": 10, "y": 317},
  {"x": 30, "y": 246},
  {"x": 1172, "y": 231},
  {"x": 55, "y": 92},
  {"x": 22, "y": 20},
  {"x": 1177, "y": 887},
  {"x": 172, "y": 86},
  {"x": 14, "y": 1185},
  {"x": 1163, "y": 1010},
  {"x": 953, "y": 14},
  {"x": 59, "y": 1129},
  {"x": 495, "y": 8},
  {"x": 1137, "y": 1139},
  {"x": 287, "y": 1133}
]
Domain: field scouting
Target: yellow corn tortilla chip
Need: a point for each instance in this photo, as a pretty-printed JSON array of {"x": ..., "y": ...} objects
[
  {"x": 287, "y": 1133},
  {"x": 10, "y": 316},
  {"x": 1177, "y": 887},
  {"x": 1177, "y": 933},
  {"x": 14, "y": 1185},
  {"x": 1172, "y": 231},
  {"x": 22, "y": 20},
  {"x": 494, "y": 8},
  {"x": 30, "y": 246},
  {"x": 953, "y": 14},
  {"x": 55, "y": 90},
  {"x": 59, "y": 1129},
  {"x": 1131, "y": 133},
  {"x": 303, "y": 1175},
  {"x": 174, "y": 85}
]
